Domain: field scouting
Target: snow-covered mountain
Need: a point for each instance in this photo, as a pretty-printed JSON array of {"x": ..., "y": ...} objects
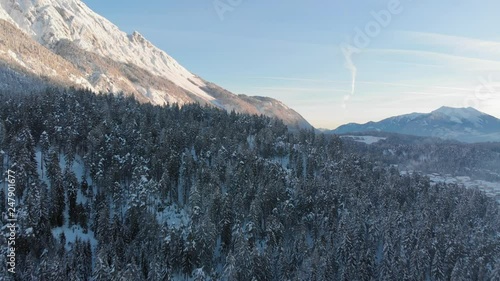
[
  {"x": 65, "y": 42},
  {"x": 462, "y": 124}
]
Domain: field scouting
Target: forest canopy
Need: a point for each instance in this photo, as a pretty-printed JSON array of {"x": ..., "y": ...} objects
[{"x": 112, "y": 189}]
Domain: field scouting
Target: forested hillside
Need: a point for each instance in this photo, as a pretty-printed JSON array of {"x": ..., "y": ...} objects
[
  {"x": 429, "y": 155},
  {"x": 108, "y": 188}
]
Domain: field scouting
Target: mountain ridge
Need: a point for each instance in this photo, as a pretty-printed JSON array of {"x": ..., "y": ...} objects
[
  {"x": 462, "y": 124},
  {"x": 88, "y": 51}
]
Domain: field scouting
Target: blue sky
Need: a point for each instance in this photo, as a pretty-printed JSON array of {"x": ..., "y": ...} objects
[{"x": 334, "y": 62}]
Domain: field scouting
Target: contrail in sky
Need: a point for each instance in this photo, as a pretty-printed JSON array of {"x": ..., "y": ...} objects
[{"x": 349, "y": 64}]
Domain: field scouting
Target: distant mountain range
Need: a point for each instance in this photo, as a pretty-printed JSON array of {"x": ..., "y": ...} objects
[
  {"x": 64, "y": 43},
  {"x": 462, "y": 124}
]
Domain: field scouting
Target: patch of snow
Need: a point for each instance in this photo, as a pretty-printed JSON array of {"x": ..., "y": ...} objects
[
  {"x": 77, "y": 167},
  {"x": 365, "y": 139},
  {"x": 492, "y": 189},
  {"x": 28, "y": 231},
  {"x": 455, "y": 119},
  {"x": 251, "y": 141},
  {"x": 174, "y": 217},
  {"x": 16, "y": 58},
  {"x": 459, "y": 114},
  {"x": 81, "y": 81},
  {"x": 71, "y": 233}
]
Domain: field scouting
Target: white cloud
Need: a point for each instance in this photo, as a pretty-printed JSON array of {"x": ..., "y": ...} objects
[
  {"x": 415, "y": 86},
  {"x": 465, "y": 63},
  {"x": 458, "y": 43},
  {"x": 304, "y": 90},
  {"x": 296, "y": 79}
]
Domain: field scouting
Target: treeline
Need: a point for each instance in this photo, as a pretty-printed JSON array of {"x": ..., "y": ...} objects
[{"x": 259, "y": 202}]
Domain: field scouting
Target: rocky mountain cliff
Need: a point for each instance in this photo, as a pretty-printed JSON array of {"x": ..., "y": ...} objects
[{"x": 63, "y": 42}]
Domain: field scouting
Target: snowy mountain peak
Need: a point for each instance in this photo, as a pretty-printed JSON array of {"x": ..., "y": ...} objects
[
  {"x": 50, "y": 21},
  {"x": 463, "y": 124},
  {"x": 459, "y": 114},
  {"x": 458, "y": 111},
  {"x": 137, "y": 38},
  {"x": 77, "y": 47}
]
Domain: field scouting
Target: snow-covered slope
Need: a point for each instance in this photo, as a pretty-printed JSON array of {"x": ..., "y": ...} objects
[
  {"x": 458, "y": 115},
  {"x": 462, "y": 124},
  {"x": 49, "y": 21},
  {"x": 106, "y": 58}
]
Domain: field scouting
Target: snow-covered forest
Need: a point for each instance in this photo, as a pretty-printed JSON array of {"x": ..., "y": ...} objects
[
  {"x": 429, "y": 155},
  {"x": 111, "y": 189}
]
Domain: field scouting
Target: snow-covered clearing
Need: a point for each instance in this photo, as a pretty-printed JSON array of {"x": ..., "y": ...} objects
[{"x": 365, "y": 139}]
